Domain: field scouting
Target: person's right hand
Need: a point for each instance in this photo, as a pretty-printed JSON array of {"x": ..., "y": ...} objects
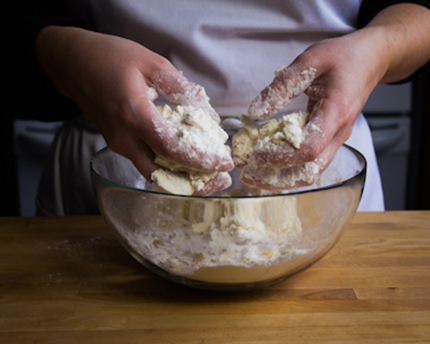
[{"x": 114, "y": 81}]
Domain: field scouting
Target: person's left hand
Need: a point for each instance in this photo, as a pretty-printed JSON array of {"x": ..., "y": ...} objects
[{"x": 338, "y": 75}]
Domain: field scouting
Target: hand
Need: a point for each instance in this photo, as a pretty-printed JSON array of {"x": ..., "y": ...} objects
[
  {"x": 114, "y": 81},
  {"x": 338, "y": 75},
  {"x": 338, "y": 81}
]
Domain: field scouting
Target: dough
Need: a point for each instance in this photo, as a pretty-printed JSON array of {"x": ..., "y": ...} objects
[
  {"x": 197, "y": 130},
  {"x": 276, "y": 131},
  {"x": 287, "y": 130},
  {"x": 183, "y": 236}
]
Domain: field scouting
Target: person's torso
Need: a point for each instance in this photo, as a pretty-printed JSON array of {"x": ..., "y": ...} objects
[{"x": 230, "y": 47}]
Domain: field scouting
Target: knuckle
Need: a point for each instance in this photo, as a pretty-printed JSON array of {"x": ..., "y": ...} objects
[
  {"x": 312, "y": 152},
  {"x": 162, "y": 64}
]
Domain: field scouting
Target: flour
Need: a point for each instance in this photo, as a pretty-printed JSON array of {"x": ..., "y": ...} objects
[
  {"x": 183, "y": 236},
  {"x": 196, "y": 131},
  {"x": 188, "y": 96},
  {"x": 280, "y": 70},
  {"x": 152, "y": 93}
]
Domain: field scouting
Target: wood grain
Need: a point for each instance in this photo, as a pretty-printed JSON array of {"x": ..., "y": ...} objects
[{"x": 67, "y": 280}]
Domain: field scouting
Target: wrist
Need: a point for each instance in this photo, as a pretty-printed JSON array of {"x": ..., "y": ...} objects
[
  {"x": 372, "y": 53},
  {"x": 405, "y": 30}
]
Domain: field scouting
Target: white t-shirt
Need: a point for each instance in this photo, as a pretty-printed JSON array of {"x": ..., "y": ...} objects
[{"x": 233, "y": 47}]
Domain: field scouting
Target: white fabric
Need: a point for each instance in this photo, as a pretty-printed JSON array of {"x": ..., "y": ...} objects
[
  {"x": 361, "y": 139},
  {"x": 233, "y": 47}
]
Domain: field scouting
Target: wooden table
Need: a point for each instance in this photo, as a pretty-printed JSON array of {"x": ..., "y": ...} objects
[{"x": 67, "y": 280}]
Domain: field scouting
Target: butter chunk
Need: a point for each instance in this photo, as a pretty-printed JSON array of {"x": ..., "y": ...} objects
[{"x": 172, "y": 182}]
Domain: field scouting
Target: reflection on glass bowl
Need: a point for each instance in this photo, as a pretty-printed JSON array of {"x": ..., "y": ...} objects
[{"x": 237, "y": 239}]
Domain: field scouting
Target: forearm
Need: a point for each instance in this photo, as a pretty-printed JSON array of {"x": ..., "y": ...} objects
[
  {"x": 401, "y": 34},
  {"x": 55, "y": 56}
]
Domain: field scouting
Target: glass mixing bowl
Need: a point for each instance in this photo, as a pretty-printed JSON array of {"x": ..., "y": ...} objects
[{"x": 237, "y": 239}]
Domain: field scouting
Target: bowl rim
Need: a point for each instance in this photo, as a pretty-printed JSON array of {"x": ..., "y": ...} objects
[{"x": 358, "y": 175}]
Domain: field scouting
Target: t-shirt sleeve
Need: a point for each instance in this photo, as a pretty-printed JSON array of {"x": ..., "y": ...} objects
[
  {"x": 26, "y": 92},
  {"x": 370, "y": 8}
]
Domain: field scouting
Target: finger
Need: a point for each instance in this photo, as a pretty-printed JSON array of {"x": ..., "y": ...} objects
[
  {"x": 330, "y": 117},
  {"x": 165, "y": 140},
  {"x": 287, "y": 85},
  {"x": 179, "y": 91},
  {"x": 315, "y": 93},
  {"x": 140, "y": 155},
  {"x": 283, "y": 155},
  {"x": 289, "y": 178},
  {"x": 220, "y": 182}
]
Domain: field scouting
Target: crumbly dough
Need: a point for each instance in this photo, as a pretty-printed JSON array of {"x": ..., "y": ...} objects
[
  {"x": 287, "y": 130},
  {"x": 199, "y": 131},
  {"x": 185, "y": 237},
  {"x": 276, "y": 131}
]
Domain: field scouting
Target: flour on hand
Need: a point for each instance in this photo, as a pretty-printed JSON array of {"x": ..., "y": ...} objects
[
  {"x": 271, "y": 136},
  {"x": 197, "y": 131},
  {"x": 276, "y": 131}
]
